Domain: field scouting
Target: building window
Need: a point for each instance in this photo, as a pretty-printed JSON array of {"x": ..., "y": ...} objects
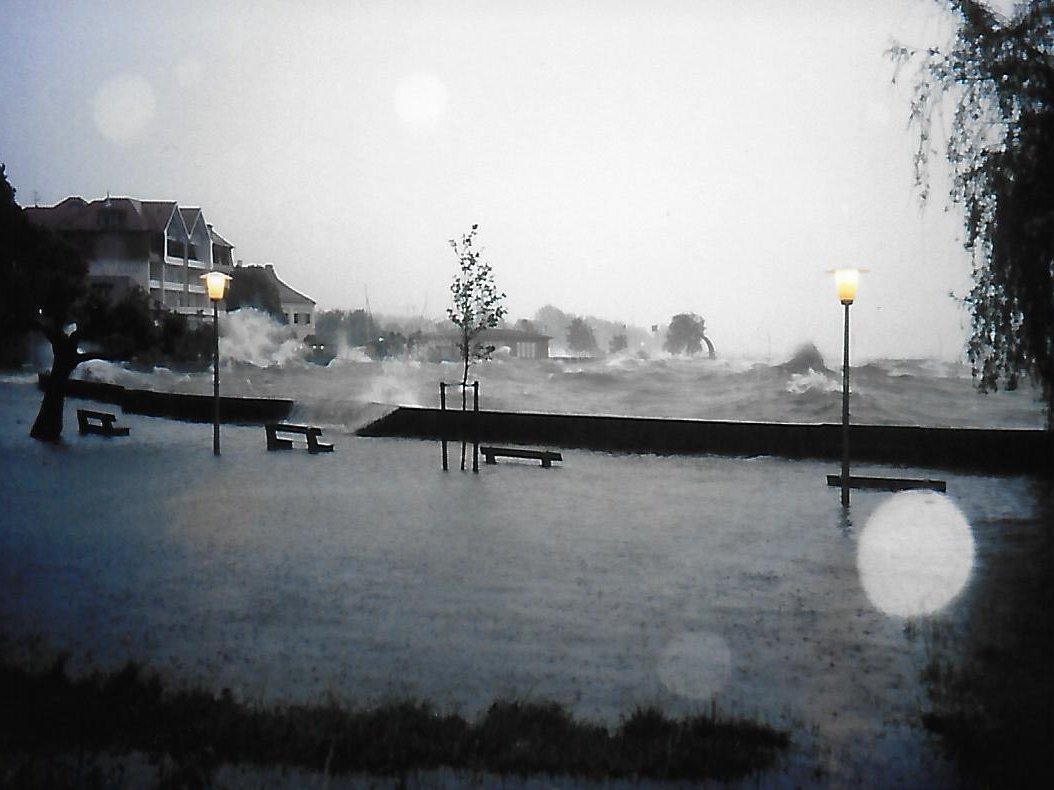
[
  {"x": 307, "y": 318},
  {"x": 296, "y": 318}
]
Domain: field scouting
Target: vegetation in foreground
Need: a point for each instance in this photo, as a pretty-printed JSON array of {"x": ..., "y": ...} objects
[
  {"x": 990, "y": 686},
  {"x": 56, "y": 730}
]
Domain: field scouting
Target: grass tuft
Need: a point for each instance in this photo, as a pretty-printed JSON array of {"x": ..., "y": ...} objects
[{"x": 48, "y": 716}]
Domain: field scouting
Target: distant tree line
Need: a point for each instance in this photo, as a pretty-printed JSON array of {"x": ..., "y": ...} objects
[
  {"x": 685, "y": 334},
  {"x": 358, "y": 329}
]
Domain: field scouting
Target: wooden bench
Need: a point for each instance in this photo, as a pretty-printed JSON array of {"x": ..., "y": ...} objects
[
  {"x": 99, "y": 422},
  {"x": 888, "y": 483},
  {"x": 276, "y": 442},
  {"x": 545, "y": 456}
]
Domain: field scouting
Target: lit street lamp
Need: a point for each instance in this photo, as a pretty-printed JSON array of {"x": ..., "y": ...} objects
[
  {"x": 216, "y": 283},
  {"x": 846, "y": 281}
]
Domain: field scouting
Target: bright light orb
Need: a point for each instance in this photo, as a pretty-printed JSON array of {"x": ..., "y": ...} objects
[
  {"x": 123, "y": 107},
  {"x": 696, "y": 666},
  {"x": 420, "y": 99},
  {"x": 915, "y": 554}
]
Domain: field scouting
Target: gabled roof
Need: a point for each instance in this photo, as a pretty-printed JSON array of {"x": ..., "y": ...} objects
[
  {"x": 74, "y": 213},
  {"x": 191, "y": 217},
  {"x": 285, "y": 293},
  {"x": 158, "y": 213},
  {"x": 218, "y": 239}
]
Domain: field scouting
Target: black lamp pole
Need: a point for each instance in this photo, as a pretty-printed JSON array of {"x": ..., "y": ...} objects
[
  {"x": 845, "y": 409},
  {"x": 216, "y": 377}
]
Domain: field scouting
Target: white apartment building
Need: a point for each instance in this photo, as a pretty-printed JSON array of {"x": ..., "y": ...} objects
[{"x": 158, "y": 245}]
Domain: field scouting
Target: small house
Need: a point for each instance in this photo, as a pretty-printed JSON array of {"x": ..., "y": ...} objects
[{"x": 518, "y": 343}]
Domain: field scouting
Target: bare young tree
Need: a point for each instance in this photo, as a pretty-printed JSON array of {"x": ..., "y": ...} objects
[{"x": 477, "y": 305}]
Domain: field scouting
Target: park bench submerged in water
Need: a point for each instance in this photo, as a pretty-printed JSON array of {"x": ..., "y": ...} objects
[
  {"x": 309, "y": 432},
  {"x": 545, "y": 456},
  {"x": 99, "y": 422}
]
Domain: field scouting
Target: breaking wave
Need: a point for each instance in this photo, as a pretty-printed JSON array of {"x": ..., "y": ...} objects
[{"x": 260, "y": 358}]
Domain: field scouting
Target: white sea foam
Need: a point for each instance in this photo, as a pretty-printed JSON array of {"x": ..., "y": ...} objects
[
  {"x": 254, "y": 337},
  {"x": 812, "y": 381},
  {"x": 259, "y": 357}
]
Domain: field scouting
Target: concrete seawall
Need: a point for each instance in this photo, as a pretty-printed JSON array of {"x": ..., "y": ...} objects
[
  {"x": 180, "y": 406},
  {"x": 976, "y": 449}
]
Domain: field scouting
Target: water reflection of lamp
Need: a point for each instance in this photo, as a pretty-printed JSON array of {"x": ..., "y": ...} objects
[
  {"x": 846, "y": 281},
  {"x": 915, "y": 553},
  {"x": 216, "y": 283}
]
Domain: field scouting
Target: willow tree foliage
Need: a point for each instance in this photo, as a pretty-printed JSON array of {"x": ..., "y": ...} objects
[{"x": 998, "y": 76}]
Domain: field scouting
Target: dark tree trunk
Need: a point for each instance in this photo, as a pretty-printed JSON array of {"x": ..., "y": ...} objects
[{"x": 48, "y": 425}]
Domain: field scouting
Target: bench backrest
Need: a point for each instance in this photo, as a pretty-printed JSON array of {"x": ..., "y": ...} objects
[{"x": 306, "y": 430}]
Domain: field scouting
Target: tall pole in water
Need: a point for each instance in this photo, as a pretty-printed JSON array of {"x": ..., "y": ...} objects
[
  {"x": 846, "y": 281},
  {"x": 845, "y": 412},
  {"x": 475, "y": 427},
  {"x": 442, "y": 406},
  {"x": 216, "y": 377},
  {"x": 216, "y": 283}
]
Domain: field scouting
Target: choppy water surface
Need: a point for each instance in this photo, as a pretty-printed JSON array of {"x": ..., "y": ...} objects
[
  {"x": 888, "y": 392},
  {"x": 608, "y": 582}
]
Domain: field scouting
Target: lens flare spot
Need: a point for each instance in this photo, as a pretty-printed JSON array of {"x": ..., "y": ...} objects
[
  {"x": 915, "y": 554},
  {"x": 696, "y": 666},
  {"x": 123, "y": 107},
  {"x": 420, "y": 99}
]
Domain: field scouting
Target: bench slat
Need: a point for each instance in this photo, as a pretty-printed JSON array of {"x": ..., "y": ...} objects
[{"x": 545, "y": 456}]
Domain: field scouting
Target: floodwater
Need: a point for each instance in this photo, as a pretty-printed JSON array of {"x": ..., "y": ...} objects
[{"x": 604, "y": 583}]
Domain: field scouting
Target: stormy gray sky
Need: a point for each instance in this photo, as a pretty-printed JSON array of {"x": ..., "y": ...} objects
[{"x": 624, "y": 159}]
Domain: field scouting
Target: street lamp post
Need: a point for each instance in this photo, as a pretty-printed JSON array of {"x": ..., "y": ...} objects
[
  {"x": 846, "y": 281},
  {"x": 216, "y": 283}
]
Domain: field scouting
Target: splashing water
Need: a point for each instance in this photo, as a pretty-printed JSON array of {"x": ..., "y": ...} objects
[
  {"x": 254, "y": 337},
  {"x": 262, "y": 358},
  {"x": 812, "y": 381}
]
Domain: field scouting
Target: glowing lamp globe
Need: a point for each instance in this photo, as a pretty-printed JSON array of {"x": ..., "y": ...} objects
[
  {"x": 216, "y": 283},
  {"x": 846, "y": 281}
]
